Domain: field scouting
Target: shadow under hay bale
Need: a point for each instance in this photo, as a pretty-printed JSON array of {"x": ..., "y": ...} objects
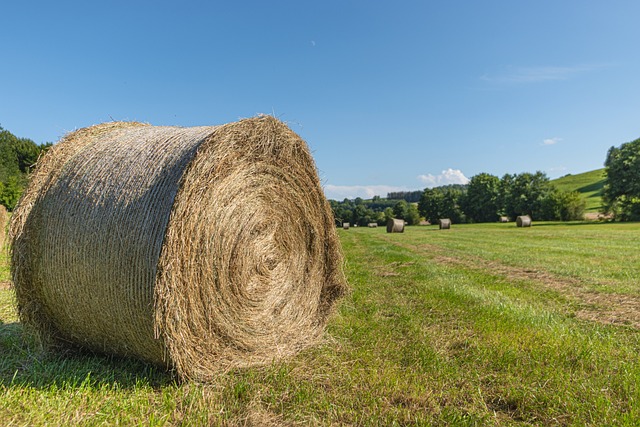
[
  {"x": 445, "y": 224},
  {"x": 395, "y": 225},
  {"x": 200, "y": 249},
  {"x": 523, "y": 221}
]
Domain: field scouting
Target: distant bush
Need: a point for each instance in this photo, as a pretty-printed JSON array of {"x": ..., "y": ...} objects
[{"x": 17, "y": 157}]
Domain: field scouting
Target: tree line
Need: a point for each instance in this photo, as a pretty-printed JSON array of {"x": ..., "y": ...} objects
[
  {"x": 621, "y": 193},
  {"x": 17, "y": 157},
  {"x": 484, "y": 199}
]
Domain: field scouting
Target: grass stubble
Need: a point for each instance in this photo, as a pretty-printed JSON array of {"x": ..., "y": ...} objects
[{"x": 478, "y": 325}]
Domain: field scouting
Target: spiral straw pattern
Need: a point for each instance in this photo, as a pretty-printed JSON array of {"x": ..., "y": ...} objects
[{"x": 202, "y": 249}]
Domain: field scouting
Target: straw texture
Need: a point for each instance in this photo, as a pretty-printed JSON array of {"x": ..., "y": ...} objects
[
  {"x": 445, "y": 224},
  {"x": 395, "y": 225},
  {"x": 201, "y": 249},
  {"x": 523, "y": 221}
]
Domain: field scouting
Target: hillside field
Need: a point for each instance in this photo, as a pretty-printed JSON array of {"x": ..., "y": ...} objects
[
  {"x": 588, "y": 184},
  {"x": 483, "y": 324}
]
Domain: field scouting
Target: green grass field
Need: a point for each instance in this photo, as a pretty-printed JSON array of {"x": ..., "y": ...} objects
[
  {"x": 589, "y": 184},
  {"x": 483, "y": 324}
]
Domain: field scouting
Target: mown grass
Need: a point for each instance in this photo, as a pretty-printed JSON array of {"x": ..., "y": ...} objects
[
  {"x": 588, "y": 184},
  {"x": 477, "y": 325}
]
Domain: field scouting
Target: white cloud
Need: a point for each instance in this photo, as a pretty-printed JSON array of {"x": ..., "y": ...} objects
[
  {"x": 341, "y": 192},
  {"x": 551, "y": 141},
  {"x": 449, "y": 176}
]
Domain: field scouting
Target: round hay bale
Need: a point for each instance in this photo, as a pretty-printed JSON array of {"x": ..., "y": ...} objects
[
  {"x": 372, "y": 225},
  {"x": 345, "y": 225},
  {"x": 523, "y": 221},
  {"x": 445, "y": 224},
  {"x": 395, "y": 225},
  {"x": 504, "y": 219},
  {"x": 200, "y": 249}
]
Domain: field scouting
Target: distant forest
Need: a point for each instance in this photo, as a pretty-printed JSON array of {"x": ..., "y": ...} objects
[
  {"x": 17, "y": 157},
  {"x": 485, "y": 198}
]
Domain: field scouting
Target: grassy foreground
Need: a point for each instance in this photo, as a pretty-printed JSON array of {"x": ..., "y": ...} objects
[{"x": 477, "y": 325}]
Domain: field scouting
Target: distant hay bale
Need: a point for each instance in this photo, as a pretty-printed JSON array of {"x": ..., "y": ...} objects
[
  {"x": 504, "y": 219},
  {"x": 445, "y": 224},
  {"x": 345, "y": 225},
  {"x": 523, "y": 221},
  {"x": 372, "y": 225},
  {"x": 199, "y": 249},
  {"x": 395, "y": 225}
]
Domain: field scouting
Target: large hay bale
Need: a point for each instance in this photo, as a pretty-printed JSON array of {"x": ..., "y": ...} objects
[
  {"x": 523, "y": 221},
  {"x": 372, "y": 225},
  {"x": 200, "y": 249},
  {"x": 503, "y": 219},
  {"x": 345, "y": 225},
  {"x": 445, "y": 223},
  {"x": 395, "y": 225}
]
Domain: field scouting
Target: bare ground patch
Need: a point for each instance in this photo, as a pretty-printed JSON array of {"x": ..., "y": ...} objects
[{"x": 605, "y": 308}]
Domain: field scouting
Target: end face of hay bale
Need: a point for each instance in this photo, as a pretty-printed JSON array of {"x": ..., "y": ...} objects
[
  {"x": 395, "y": 225},
  {"x": 523, "y": 221},
  {"x": 445, "y": 224},
  {"x": 203, "y": 249}
]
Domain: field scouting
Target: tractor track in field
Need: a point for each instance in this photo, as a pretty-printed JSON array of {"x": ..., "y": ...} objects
[{"x": 605, "y": 308}]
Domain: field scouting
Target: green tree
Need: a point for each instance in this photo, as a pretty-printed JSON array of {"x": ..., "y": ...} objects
[
  {"x": 441, "y": 202},
  {"x": 621, "y": 193},
  {"x": 526, "y": 193},
  {"x": 401, "y": 210},
  {"x": 480, "y": 203},
  {"x": 431, "y": 204},
  {"x": 504, "y": 193},
  {"x": 10, "y": 192},
  {"x": 17, "y": 156},
  {"x": 388, "y": 214},
  {"x": 413, "y": 216},
  {"x": 562, "y": 205}
]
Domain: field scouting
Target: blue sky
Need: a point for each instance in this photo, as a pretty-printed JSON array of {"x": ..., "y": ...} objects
[{"x": 389, "y": 95}]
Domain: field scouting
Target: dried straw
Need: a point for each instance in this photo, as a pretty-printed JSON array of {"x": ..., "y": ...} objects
[
  {"x": 395, "y": 225},
  {"x": 504, "y": 219},
  {"x": 200, "y": 249},
  {"x": 345, "y": 225},
  {"x": 372, "y": 225},
  {"x": 445, "y": 224},
  {"x": 523, "y": 221}
]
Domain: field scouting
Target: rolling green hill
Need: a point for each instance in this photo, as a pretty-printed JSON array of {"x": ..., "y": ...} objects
[{"x": 589, "y": 184}]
